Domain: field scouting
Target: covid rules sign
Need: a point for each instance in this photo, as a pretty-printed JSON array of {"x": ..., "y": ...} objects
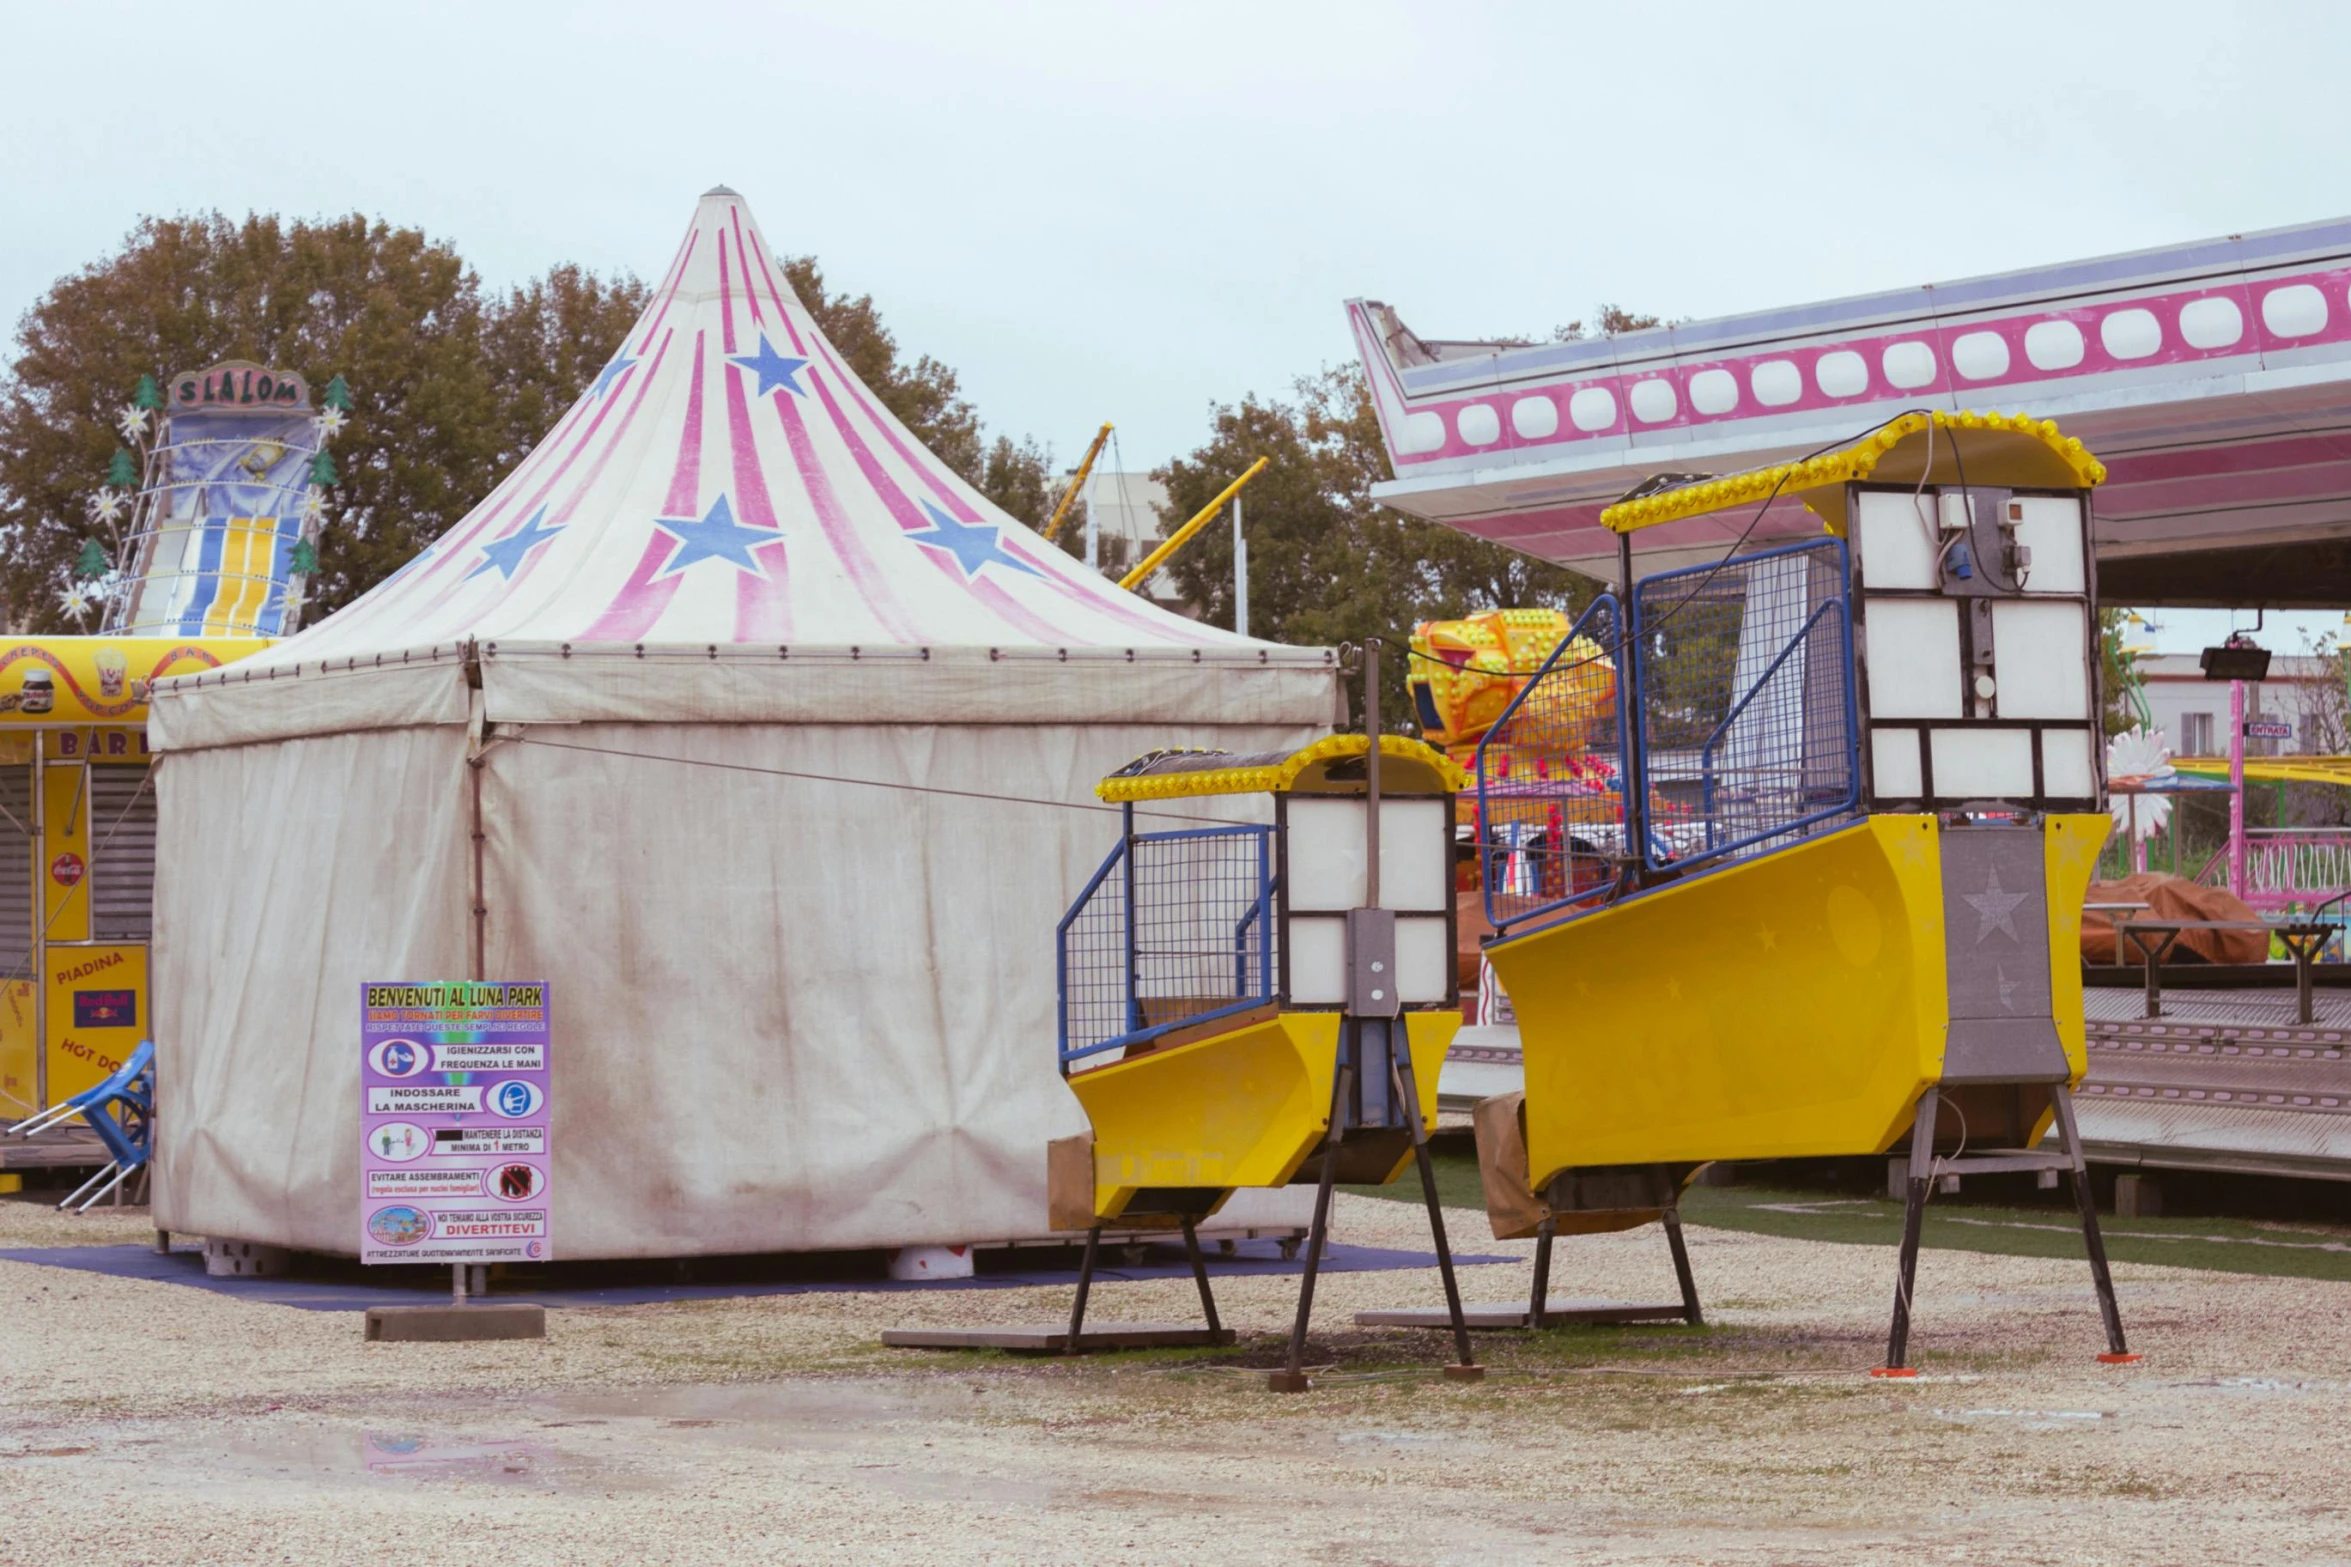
[{"x": 455, "y": 1094}]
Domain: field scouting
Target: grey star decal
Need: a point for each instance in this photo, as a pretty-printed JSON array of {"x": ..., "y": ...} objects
[
  {"x": 2008, "y": 988},
  {"x": 1995, "y": 908}
]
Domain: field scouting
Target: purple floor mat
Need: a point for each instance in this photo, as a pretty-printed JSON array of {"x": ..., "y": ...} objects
[{"x": 338, "y": 1291}]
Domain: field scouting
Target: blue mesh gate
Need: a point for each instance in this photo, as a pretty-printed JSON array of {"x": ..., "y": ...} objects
[
  {"x": 1740, "y": 676},
  {"x": 1175, "y": 928},
  {"x": 1551, "y": 779},
  {"x": 1748, "y": 729}
]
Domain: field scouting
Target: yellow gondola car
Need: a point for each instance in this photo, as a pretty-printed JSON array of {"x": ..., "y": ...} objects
[
  {"x": 1839, "y": 898},
  {"x": 1266, "y": 973},
  {"x": 1201, "y": 1032}
]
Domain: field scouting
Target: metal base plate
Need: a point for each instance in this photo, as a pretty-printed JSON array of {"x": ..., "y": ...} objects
[
  {"x": 1602, "y": 1313},
  {"x": 1053, "y": 1339},
  {"x": 456, "y": 1324}
]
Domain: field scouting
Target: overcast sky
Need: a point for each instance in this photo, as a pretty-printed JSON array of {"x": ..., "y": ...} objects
[{"x": 1130, "y": 213}]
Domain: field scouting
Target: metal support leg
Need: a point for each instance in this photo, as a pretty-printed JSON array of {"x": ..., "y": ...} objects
[
  {"x": 1292, "y": 1378},
  {"x": 2304, "y": 948},
  {"x": 1200, "y": 1277},
  {"x": 2117, "y": 1352},
  {"x": 86, "y": 1188},
  {"x": 1691, "y": 1313},
  {"x": 1466, "y": 1369},
  {"x": 1077, "y": 1307},
  {"x": 1542, "y": 1290},
  {"x": 1922, "y": 1160}
]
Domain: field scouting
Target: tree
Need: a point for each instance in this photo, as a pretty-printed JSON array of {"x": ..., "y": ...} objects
[
  {"x": 1326, "y": 563},
  {"x": 450, "y": 389},
  {"x": 452, "y": 386}
]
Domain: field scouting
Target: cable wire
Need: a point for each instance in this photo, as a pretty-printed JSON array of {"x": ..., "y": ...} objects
[{"x": 524, "y": 738}]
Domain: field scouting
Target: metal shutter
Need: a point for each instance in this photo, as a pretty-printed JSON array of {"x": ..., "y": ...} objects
[
  {"x": 16, "y": 873},
  {"x": 122, "y": 842}
]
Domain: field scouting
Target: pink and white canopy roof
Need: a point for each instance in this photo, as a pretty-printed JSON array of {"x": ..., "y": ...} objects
[{"x": 727, "y": 479}]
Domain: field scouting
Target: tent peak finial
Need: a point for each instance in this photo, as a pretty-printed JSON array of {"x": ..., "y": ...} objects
[{"x": 722, "y": 190}]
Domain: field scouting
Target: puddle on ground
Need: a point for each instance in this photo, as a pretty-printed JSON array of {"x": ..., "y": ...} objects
[
  {"x": 424, "y": 1459},
  {"x": 876, "y": 1435},
  {"x": 1393, "y": 1438}
]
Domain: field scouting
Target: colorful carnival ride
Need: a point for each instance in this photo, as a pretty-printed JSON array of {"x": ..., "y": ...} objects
[{"x": 1839, "y": 899}]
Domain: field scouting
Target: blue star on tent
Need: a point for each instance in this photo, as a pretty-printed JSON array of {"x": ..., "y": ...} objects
[
  {"x": 613, "y": 372},
  {"x": 716, "y": 537},
  {"x": 772, "y": 368},
  {"x": 971, "y": 545},
  {"x": 506, "y": 554}
]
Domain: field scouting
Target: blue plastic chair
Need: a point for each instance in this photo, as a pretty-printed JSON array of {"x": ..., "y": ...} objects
[{"x": 121, "y": 1111}]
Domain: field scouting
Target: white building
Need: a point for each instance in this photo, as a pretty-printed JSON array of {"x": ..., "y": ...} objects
[{"x": 2193, "y": 712}]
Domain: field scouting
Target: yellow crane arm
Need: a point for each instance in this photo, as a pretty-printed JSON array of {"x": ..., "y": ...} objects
[
  {"x": 1053, "y": 528},
  {"x": 1175, "y": 541}
]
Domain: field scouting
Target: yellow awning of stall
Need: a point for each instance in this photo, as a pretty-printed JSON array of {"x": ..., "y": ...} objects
[
  {"x": 1331, "y": 764},
  {"x": 2015, "y": 451}
]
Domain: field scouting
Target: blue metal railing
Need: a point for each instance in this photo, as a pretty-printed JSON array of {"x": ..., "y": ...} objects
[
  {"x": 1173, "y": 929},
  {"x": 1551, "y": 779},
  {"x": 1749, "y": 726},
  {"x": 1740, "y": 675}
]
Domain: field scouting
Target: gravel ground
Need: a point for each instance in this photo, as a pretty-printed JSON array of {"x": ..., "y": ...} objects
[{"x": 154, "y": 1423}]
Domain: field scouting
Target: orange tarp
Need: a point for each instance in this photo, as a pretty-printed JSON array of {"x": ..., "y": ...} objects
[{"x": 2174, "y": 898}]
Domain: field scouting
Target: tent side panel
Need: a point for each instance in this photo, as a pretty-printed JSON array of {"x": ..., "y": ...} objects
[
  {"x": 799, "y": 1015},
  {"x": 957, "y": 685},
  {"x": 288, "y": 875},
  {"x": 229, "y": 708}
]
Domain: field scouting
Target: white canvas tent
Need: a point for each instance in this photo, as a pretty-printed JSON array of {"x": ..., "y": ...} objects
[{"x": 742, "y": 719}]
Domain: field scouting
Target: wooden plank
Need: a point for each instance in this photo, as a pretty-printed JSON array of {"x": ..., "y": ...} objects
[
  {"x": 1598, "y": 1313},
  {"x": 54, "y": 1151},
  {"x": 1053, "y": 1339}
]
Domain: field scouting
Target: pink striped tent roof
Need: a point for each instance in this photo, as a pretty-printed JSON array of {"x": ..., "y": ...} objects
[{"x": 727, "y": 479}]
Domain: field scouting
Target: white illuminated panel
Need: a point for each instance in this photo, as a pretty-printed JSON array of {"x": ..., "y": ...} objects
[
  {"x": 1318, "y": 960},
  {"x": 1416, "y": 854},
  {"x": 2052, "y": 529},
  {"x": 1898, "y": 543},
  {"x": 1982, "y": 764},
  {"x": 1654, "y": 402},
  {"x": 2040, "y": 659},
  {"x": 1592, "y": 408},
  {"x": 1893, "y": 765},
  {"x": 2215, "y": 322},
  {"x": 1424, "y": 960},
  {"x": 1422, "y": 432},
  {"x": 2067, "y": 772},
  {"x": 1913, "y": 649},
  {"x": 1714, "y": 391},
  {"x": 1326, "y": 851},
  {"x": 1908, "y": 365}
]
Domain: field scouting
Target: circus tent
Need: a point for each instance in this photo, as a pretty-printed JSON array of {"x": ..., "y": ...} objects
[{"x": 741, "y": 718}]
